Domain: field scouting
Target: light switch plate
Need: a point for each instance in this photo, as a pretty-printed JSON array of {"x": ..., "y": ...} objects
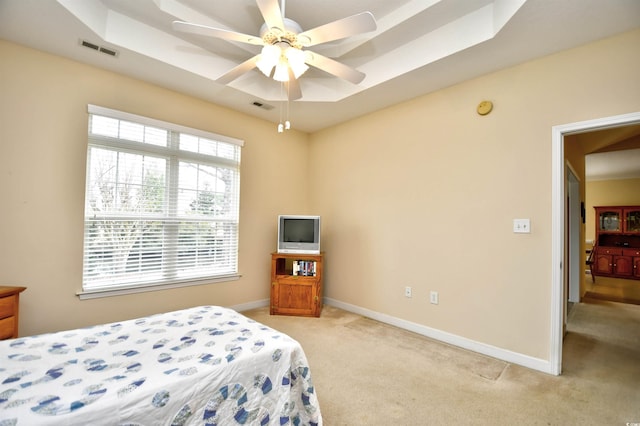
[{"x": 522, "y": 226}]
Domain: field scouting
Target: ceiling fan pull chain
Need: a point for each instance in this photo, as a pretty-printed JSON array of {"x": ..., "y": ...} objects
[
  {"x": 280, "y": 125},
  {"x": 287, "y": 123}
]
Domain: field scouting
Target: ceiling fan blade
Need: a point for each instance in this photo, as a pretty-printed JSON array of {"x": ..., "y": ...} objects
[
  {"x": 239, "y": 70},
  {"x": 352, "y": 25},
  {"x": 334, "y": 67},
  {"x": 188, "y": 27},
  {"x": 270, "y": 10},
  {"x": 293, "y": 87}
]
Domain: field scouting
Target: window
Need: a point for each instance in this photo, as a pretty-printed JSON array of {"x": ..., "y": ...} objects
[{"x": 161, "y": 206}]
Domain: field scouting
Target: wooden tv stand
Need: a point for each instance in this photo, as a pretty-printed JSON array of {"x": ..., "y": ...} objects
[{"x": 296, "y": 292}]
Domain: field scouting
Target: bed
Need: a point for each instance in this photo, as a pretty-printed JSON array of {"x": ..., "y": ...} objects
[{"x": 206, "y": 365}]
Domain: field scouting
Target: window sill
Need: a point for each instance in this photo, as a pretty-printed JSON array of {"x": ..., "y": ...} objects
[{"x": 121, "y": 291}]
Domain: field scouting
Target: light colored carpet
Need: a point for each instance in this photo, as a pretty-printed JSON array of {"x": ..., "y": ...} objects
[{"x": 369, "y": 373}]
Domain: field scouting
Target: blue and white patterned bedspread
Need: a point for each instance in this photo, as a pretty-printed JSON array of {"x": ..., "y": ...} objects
[{"x": 202, "y": 366}]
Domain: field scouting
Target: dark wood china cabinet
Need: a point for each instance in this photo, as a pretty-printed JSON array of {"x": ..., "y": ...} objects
[{"x": 617, "y": 250}]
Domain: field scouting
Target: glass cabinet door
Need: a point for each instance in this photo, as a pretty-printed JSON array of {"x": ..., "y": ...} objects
[
  {"x": 632, "y": 220},
  {"x": 609, "y": 221}
]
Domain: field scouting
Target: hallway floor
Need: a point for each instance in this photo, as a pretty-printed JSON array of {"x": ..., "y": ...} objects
[{"x": 613, "y": 289}]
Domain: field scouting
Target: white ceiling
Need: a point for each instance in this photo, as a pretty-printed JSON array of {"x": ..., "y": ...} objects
[
  {"x": 613, "y": 165},
  {"x": 420, "y": 45}
]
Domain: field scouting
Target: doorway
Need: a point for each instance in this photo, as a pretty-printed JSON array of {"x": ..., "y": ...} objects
[{"x": 558, "y": 236}]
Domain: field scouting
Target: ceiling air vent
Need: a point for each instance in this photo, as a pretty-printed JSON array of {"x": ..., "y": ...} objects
[
  {"x": 108, "y": 51},
  {"x": 85, "y": 43},
  {"x": 97, "y": 48},
  {"x": 263, "y": 105}
]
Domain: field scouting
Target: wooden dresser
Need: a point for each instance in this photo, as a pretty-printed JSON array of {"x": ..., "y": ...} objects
[{"x": 9, "y": 310}]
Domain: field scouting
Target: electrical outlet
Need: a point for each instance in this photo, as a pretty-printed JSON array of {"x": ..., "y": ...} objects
[
  {"x": 407, "y": 292},
  {"x": 522, "y": 226},
  {"x": 433, "y": 297}
]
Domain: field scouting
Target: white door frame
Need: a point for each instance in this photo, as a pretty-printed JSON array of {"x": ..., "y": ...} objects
[{"x": 558, "y": 197}]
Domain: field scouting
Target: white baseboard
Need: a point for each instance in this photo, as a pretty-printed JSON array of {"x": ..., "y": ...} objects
[
  {"x": 251, "y": 305},
  {"x": 452, "y": 339}
]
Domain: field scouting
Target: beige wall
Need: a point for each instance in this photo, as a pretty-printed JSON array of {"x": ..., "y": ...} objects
[
  {"x": 424, "y": 193},
  {"x": 43, "y": 138},
  {"x": 421, "y": 194},
  {"x": 622, "y": 192}
]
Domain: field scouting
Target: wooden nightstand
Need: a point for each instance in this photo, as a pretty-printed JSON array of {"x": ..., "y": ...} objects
[{"x": 9, "y": 309}]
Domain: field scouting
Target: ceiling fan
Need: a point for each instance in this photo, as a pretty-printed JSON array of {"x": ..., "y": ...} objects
[{"x": 282, "y": 56}]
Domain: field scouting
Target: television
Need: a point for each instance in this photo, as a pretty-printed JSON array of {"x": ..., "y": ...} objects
[{"x": 299, "y": 234}]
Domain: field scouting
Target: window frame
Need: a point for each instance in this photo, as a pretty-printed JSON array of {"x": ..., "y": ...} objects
[{"x": 174, "y": 156}]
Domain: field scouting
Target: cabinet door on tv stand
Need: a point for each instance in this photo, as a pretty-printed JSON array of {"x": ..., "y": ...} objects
[{"x": 295, "y": 297}]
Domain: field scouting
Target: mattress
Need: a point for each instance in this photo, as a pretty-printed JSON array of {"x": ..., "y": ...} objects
[{"x": 206, "y": 365}]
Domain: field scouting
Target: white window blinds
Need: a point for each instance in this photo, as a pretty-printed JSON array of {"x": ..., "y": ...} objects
[{"x": 161, "y": 206}]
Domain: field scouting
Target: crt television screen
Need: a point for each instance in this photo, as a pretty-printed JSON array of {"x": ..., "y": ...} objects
[{"x": 298, "y": 230}]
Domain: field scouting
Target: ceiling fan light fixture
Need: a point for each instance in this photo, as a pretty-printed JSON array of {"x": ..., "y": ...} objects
[
  {"x": 282, "y": 71},
  {"x": 295, "y": 57},
  {"x": 264, "y": 68},
  {"x": 269, "y": 58}
]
